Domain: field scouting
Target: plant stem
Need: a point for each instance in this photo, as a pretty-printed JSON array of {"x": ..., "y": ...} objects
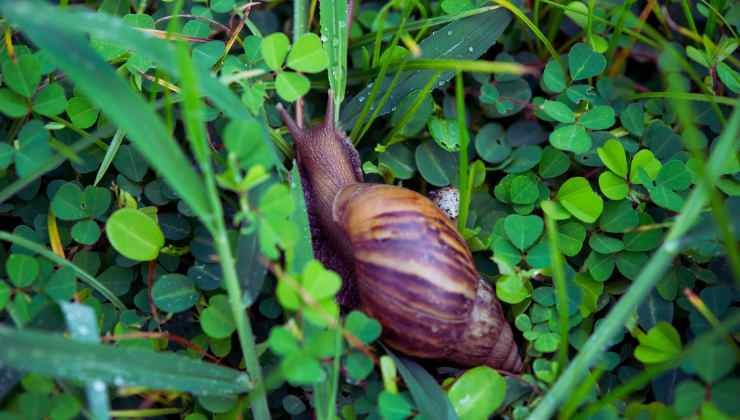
[
  {"x": 561, "y": 291},
  {"x": 648, "y": 277},
  {"x": 462, "y": 218}
]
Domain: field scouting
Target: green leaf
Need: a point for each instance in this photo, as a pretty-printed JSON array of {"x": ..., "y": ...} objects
[
  {"x": 523, "y": 231},
  {"x": 613, "y": 155},
  {"x": 430, "y": 399},
  {"x": 358, "y": 366},
  {"x": 612, "y": 186},
  {"x": 633, "y": 119},
  {"x": 68, "y": 202},
  {"x": 558, "y": 111},
  {"x": 436, "y": 165},
  {"x": 570, "y": 237},
  {"x": 571, "y": 138},
  {"x": 244, "y": 139},
  {"x": 666, "y": 198},
  {"x": 393, "y": 406},
  {"x": 729, "y": 77},
  {"x": 22, "y": 75},
  {"x": 33, "y": 148},
  {"x": 86, "y": 232},
  {"x": 307, "y": 55},
  {"x": 554, "y": 163},
  {"x": 222, "y": 6},
  {"x": 174, "y": 293},
  {"x": 134, "y": 234},
  {"x": 645, "y": 160},
  {"x": 55, "y": 355},
  {"x": 319, "y": 282},
  {"x": 12, "y": 104},
  {"x": 618, "y": 217},
  {"x": 446, "y": 133},
  {"x": 553, "y": 78},
  {"x": 477, "y": 393},
  {"x": 4, "y": 294},
  {"x": 291, "y": 86},
  {"x": 22, "y": 269},
  {"x": 130, "y": 163},
  {"x": 81, "y": 112},
  {"x": 599, "y": 117},
  {"x": 362, "y": 326},
  {"x": 511, "y": 289},
  {"x": 302, "y": 369},
  {"x": 524, "y": 190},
  {"x": 661, "y": 344},
  {"x": 674, "y": 175},
  {"x": 604, "y": 244},
  {"x": 580, "y": 200},
  {"x": 584, "y": 62},
  {"x": 216, "y": 320},
  {"x": 333, "y": 19},
  {"x": 50, "y": 101},
  {"x": 274, "y": 48}
]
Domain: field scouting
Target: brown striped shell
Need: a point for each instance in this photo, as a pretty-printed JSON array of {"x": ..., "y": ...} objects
[{"x": 415, "y": 275}]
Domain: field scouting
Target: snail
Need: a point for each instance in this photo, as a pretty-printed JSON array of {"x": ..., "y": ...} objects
[{"x": 405, "y": 260}]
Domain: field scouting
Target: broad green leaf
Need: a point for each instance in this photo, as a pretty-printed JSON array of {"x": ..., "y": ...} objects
[
  {"x": 633, "y": 119},
  {"x": 358, "y": 365},
  {"x": 393, "y": 406},
  {"x": 86, "y": 232},
  {"x": 578, "y": 12},
  {"x": 134, "y": 234},
  {"x": 437, "y": 166},
  {"x": 524, "y": 190},
  {"x": 68, "y": 202},
  {"x": 274, "y": 48},
  {"x": 174, "y": 293},
  {"x": 645, "y": 160},
  {"x": 130, "y": 163},
  {"x": 666, "y": 198},
  {"x": 55, "y": 355},
  {"x": 511, "y": 289},
  {"x": 50, "y": 101},
  {"x": 612, "y": 186},
  {"x": 712, "y": 361},
  {"x": 308, "y": 55},
  {"x": 302, "y": 369},
  {"x": 584, "y": 62},
  {"x": 81, "y": 112},
  {"x": 216, "y": 320},
  {"x": 580, "y": 200},
  {"x": 33, "y": 148},
  {"x": 319, "y": 282},
  {"x": 291, "y": 86},
  {"x": 22, "y": 75},
  {"x": 446, "y": 133},
  {"x": 523, "y": 231},
  {"x": 430, "y": 399},
  {"x": 461, "y": 39},
  {"x": 554, "y": 163},
  {"x": 22, "y": 269},
  {"x": 661, "y": 344},
  {"x": 570, "y": 237},
  {"x": 477, "y": 393},
  {"x": 553, "y": 78},
  {"x": 613, "y": 156},
  {"x": 362, "y": 326},
  {"x": 599, "y": 117},
  {"x": 729, "y": 77},
  {"x": 674, "y": 175},
  {"x": 571, "y": 138},
  {"x": 12, "y": 104},
  {"x": 558, "y": 111},
  {"x": 618, "y": 217},
  {"x": 604, "y": 244}
]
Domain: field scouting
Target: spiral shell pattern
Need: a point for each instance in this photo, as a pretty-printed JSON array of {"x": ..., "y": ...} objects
[{"x": 415, "y": 275}]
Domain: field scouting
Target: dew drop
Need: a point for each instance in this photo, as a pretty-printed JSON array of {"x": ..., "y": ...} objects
[{"x": 449, "y": 33}]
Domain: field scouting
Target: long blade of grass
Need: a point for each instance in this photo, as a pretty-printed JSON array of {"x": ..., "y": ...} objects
[
  {"x": 561, "y": 289},
  {"x": 55, "y": 355},
  {"x": 82, "y": 323},
  {"x": 532, "y": 27},
  {"x": 645, "y": 281},
  {"x": 462, "y": 161},
  {"x": 196, "y": 133},
  {"x": 108, "y": 91},
  {"x": 334, "y": 33},
  {"x": 50, "y": 255},
  {"x": 462, "y": 39},
  {"x": 684, "y": 96},
  {"x": 110, "y": 154}
]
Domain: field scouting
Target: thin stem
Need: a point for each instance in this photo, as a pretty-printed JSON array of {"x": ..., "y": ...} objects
[
  {"x": 463, "y": 164},
  {"x": 561, "y": 291}
]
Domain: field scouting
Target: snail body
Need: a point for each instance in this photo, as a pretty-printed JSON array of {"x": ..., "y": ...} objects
[{"x": 403, "y": 258}]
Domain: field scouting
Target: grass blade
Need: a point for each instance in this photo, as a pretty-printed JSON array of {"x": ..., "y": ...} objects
[
  {"x": 645, "y": 281},
  {"x": 561, "y": 289},
  {"x": 55, "y": 355},
  {"x": 334, "y": 33},
  {"x": 110, "y": 154},
  {"x": 459, "y": 40},
  {"x": 463, "y": 160},
  {"x": 532, "y": 27}
]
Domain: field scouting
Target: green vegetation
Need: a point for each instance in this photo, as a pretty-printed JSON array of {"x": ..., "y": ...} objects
[{"x": 156, "y": 255}]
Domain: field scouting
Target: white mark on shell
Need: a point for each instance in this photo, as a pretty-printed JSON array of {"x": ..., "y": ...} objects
[{"x": 448, "y": 200}]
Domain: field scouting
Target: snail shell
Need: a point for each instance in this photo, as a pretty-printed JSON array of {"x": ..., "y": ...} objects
[
  {"x": 416, "y": 276},
  {"x": 400, "y": 256}
]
